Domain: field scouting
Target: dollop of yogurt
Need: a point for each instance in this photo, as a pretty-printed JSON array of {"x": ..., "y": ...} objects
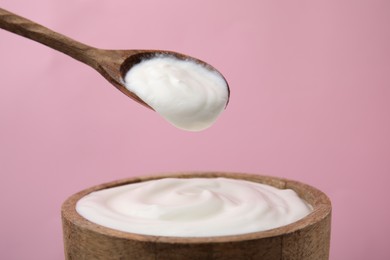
[
  {"x": 194, "y": 207},
  {"x": 187, "y": 94}
]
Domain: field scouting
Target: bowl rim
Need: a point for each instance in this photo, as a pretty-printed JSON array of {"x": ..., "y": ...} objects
[{"x": 317, "y": 199}]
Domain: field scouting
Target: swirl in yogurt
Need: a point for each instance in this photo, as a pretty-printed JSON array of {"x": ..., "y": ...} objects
[
  {"x": 184, "y": 92},
  {"x": 194, "y": 207}
]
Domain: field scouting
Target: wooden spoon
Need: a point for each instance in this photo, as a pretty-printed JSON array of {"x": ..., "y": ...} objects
[{"x": 112, "y": 64}]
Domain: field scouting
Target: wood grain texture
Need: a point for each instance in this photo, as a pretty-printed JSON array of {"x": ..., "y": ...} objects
[
  {"x": 306, "y": 239},
  {"x": 107, "y": 62}
]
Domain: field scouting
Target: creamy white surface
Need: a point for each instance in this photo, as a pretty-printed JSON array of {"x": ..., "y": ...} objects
[
  {"x": 185, "y": 93},
  {"x": 195, "y": 207}
]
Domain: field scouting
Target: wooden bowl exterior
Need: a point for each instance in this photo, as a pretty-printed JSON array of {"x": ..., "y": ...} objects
[{"x": 305, "y": 239}]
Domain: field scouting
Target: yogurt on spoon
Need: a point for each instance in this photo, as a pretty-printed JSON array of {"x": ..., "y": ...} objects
[{"x": 187, "y": 94}]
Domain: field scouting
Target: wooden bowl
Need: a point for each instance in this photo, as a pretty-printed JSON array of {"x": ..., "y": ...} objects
[{"x": 305, "y": 239}]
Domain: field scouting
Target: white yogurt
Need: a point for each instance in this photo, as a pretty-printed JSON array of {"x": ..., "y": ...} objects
[
  {"x": 195, "y": 207},
  {"x": 187, "y": 94}
]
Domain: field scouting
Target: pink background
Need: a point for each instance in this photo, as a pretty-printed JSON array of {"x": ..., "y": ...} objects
[{"x": 310, "y": 90}]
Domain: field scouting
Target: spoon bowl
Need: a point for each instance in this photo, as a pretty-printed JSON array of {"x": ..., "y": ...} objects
[{"x": 111, "y": 64}]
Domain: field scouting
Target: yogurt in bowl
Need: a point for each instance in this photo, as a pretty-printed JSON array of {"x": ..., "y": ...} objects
[
  {"x": 306, "y": 237},
  {"x": 193, "y": 207}
]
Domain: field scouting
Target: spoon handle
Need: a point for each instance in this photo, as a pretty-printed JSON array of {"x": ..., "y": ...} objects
[{"x": 36, "y": 32}]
